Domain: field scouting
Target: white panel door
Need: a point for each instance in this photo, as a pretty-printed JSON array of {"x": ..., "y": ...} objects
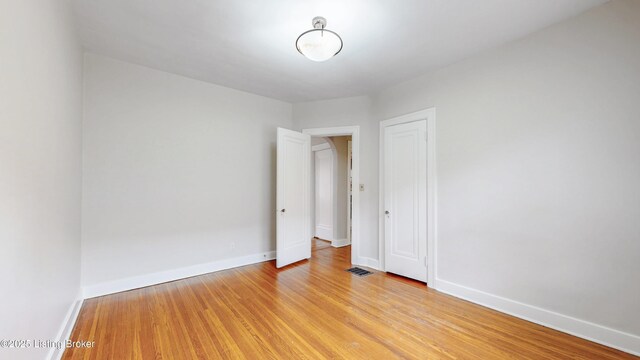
[
  {"x": 293, "y": 238},
  {"x": 324, "y": 194},
  {"x": 405, "y": 199}
]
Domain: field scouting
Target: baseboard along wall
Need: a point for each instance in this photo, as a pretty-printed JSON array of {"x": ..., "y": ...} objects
[
  {"x": 593, "y": 332},
  {"x": 136, "y": 282},
  {"x": 64, "y": 334}
]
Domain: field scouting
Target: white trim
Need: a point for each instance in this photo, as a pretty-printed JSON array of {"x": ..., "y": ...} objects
[
  {"x": 432, "y": 248},
  {"x": 370, "y": 263},
  {"x": 354, "y": 131},
  {"x": 340, "y": 243},
  {"x": 597, "y": 333},
  {"x": 349, "y": 188},
  {"x": 66, "y": 328},
  {"x": 334, "y": 189},
  {"x": 324, "y": 232},
  {"x": 320, "y": 147},
  {"x": 136, "y": 282}
]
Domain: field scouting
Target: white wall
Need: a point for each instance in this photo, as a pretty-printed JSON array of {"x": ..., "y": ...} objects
[
  {"x": 345, "y": 112},
  {"x": 40, "y": 147},
  {"x": 538, "y": 146},
  {"x": 177, "y": 172}
]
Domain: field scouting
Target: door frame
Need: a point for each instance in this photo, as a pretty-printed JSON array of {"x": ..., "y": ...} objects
[
  {"x": 349, "y": 187},
  {"x": 354, "y": 132},
  {"x": 432, "y": 248}
]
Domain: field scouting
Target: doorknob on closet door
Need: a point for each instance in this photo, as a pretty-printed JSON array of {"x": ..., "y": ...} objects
[
  {"x": 387, "y": 212},
  {"x": 283, "y": 210}
]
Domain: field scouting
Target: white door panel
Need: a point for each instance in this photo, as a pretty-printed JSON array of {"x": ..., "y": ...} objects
[
  {"x": 324, "y": 194},
  {"x": 405, "y": 199},
  {"x": 293, "y": 241}
]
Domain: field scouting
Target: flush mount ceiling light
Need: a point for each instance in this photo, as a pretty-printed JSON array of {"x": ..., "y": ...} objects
[{"x": 319, "y": 44}]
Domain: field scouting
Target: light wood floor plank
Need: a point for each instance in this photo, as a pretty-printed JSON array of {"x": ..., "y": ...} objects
[{"x": 310, "y": 310}]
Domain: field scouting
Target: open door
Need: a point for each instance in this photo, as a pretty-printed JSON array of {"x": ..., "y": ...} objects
[{"x": 293, "y": 238}]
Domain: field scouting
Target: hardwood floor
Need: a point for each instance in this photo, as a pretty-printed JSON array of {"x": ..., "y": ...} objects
[
  {"x": 310, "y": 310},
  {"x": 319, "y": 244}
]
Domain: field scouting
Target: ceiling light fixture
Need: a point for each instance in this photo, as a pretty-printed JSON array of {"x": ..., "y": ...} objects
[{"x": 319, "y": 44}]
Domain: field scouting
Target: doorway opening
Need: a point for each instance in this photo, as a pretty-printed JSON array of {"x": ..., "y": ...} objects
[
  {"x": 331, "y": 200},
  {"x": 334, "y": 205}
]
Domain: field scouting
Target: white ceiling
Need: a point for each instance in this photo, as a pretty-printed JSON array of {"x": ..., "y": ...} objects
[{"x": 249, "y": 45}]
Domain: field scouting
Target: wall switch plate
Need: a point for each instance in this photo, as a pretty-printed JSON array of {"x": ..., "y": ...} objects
[{"x": 361, "y": 187}]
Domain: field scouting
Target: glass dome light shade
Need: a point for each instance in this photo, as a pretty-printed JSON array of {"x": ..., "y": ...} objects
[{"x": 319, "y": 44}]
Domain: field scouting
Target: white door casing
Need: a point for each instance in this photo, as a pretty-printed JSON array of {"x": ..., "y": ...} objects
[
  {"x": 293, "y": 238},
  {"x": 324, "y": 205},
  {"x": 405, "y": 199},
  {"x": 354, "y": 132},
  {"x": 349, "y": 189}
]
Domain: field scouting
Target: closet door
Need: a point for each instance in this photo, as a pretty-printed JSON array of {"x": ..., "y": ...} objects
[{"x": 405, "y": 199}]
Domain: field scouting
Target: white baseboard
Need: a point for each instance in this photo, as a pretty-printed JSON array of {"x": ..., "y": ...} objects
[
  {"x": 597, "y": 333},
  {"x": 65, "y": 330},
  {"x": 324, "y": 232},
  {"x": 136, "y": 282},
  {"x": 340, "y": 243},
  {"x": 369, "y": 262}
]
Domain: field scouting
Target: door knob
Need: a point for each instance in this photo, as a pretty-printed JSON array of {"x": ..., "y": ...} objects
[
  {"x": 387, "y": 212},
  {"x": 282, "y": 210}
]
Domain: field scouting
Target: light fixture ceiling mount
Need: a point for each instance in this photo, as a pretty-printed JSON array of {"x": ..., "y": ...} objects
[{"x": 319, "y": 44}]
